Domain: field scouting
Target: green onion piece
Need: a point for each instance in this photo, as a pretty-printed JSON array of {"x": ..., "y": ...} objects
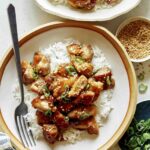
[
  {"x": 108, "y": 80},
  {"x": 146, "y": 136},
  {"x": 65, "y": 98},
  {"x": 84, "y": 115},
  {"x": 64, "y": 95},
  {"x": 143, "y": 88},
  {"x": 96, "y": 71},
  {"x": 48, "y": 113},
  {"x": 87, "y": 86},
  {"x": 137, "y": 148},
  {"x": 147, "y": 147},
  {"x": 142, "y": 141},
  {"x": 35, "y": 74},
  {"x": 139, "y": 126},
  {"x": 79, "y": 59},
  {"x": 46, "y": 91},
  {"x": 71, "y": 70},
  {"x": 130, "y": 131},
  {"x": 132, "y": 142}
]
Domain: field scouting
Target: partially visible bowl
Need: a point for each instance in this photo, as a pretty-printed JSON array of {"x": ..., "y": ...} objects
[
  {"x": 99, "y": 15},
  {"x": 127, "y": 21}
]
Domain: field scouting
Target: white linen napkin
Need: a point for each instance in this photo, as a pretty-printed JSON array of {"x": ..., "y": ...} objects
[{"x": 5, "y": 143}]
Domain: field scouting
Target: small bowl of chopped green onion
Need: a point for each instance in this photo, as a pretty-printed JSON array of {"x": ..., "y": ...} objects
[{"x": 137, "y": 137}]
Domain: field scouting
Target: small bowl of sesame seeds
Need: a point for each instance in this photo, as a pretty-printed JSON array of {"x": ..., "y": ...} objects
[{"x": 134, "y": 34}]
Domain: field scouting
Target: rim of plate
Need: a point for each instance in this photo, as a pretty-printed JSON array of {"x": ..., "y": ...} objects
[
  {"x": 123, "y": 55},
  {"x": 126, "y": 22},
  {"x": 124, "y": 11}
]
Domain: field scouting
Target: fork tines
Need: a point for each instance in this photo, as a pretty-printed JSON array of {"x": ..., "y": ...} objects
[{"x": 24, "y": 131}]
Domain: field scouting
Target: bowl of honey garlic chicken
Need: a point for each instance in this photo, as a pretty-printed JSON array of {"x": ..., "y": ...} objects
[
  {"x": 87, "y": 10},
  {"x": 80, "y": 90}
]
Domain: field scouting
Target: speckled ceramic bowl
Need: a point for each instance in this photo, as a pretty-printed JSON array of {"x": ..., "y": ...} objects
[{"x": 124, "y": 23}]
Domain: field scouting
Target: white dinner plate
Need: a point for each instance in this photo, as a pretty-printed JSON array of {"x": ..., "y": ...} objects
[
  {"x": 124, "y": 96},
  {"x": 99, "y": 15}
]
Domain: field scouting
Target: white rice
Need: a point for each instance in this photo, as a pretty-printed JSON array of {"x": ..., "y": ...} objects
[
  {"x": 57, "y": 54},
  {"x": 100, "y": 4}
]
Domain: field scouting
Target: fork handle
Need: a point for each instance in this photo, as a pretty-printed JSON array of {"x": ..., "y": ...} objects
[{"x": 14, "y": 35}]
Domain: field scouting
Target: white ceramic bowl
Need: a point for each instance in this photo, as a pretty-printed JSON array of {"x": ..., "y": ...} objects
[
  {"x": 123, "y": 100},
  {"x": 99, "y": 15},
  {"x": 127, "y": 21}
]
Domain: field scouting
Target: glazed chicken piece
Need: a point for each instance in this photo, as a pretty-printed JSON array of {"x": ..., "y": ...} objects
[
  {"x": 78, "y": 86},
  {"x": 41, "y": 63},
  {"x": 65, "y": 107},
  {"x": 39, "y": 86},
  {"x": 42, "y": 118},
  {"x": 80, "y": 58},
  {"x": 83, "y": 4},
  {"x": 28, "y": 74},
  {"x": 83, "y": 113},
  {"x": 74, "y": 49},
  {"x": 57, "y": 86},
  {"x": 43, "y": 105},
  {"x": 87, "y": 53},
  {"x": 61, "y": 71},
  {"x": 60, "y": 84},
  {"x": 83, "y": 68},
  {"x": 70, "y": 81},
  {"x": 95, "y": 86},
  {"x": 66, "y": 70},
  {"x": 85, "y": 98},
  {"x": 48, "y": 79},
  {"x": 88, "y": 124},
  {"x": 104, "y": 75},
  {"x": 50, "y": 132},
  {"x": 60, "y": 120}
]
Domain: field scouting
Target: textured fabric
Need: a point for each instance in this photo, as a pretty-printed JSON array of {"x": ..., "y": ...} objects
[{"x": 5, "y": 143}]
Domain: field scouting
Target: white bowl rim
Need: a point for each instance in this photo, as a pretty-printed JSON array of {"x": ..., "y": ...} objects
[
  {"x": 89, "y": 19},
  {"x": 127, "y": 21}
]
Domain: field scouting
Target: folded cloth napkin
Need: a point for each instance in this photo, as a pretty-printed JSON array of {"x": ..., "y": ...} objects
[{"x": 5, "y": 143}]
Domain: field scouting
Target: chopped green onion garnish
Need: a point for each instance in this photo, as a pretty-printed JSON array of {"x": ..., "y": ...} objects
[
  {"x": 96, "y": 71},
  {"x": 137, "y": 148},
  {"x": 130, "y": 131},
  {"x": 146, "y": 136},
  {"x": 71, "y": 70},
  {"x": 147, "y": 147},
  {"x": 84, "y": 115},
  {"x": 143, "y": 88},
  {"x": 64, "y": 96},
  {"x": 46, "y": 91},
  {"x": 108, "y": 80},
  {"x": 87, "y": 86},
  {"x": 137, "y": 136},
  {"x": 79, "y": 59},
  {"x": 48, "y": 113},
  {"x": 35, "y": 74}
]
